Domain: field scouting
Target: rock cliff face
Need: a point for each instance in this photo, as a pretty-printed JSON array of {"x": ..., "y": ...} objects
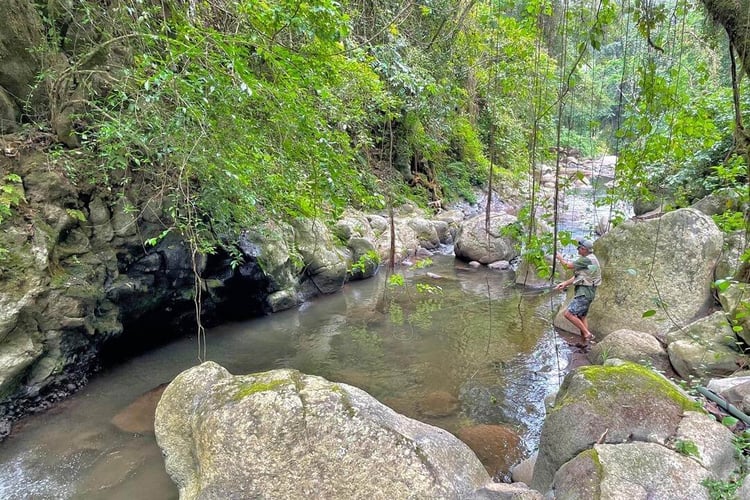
[
  {"x": 75, "y": 274},
  {"x": 79, "y": 283}
]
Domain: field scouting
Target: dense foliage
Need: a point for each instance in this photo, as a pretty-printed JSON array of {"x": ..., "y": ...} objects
[
  {"x": 244, "y": 111},
  {"x": 239, "y": 111}
]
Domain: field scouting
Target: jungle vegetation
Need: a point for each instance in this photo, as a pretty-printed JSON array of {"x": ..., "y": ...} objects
[{"x": 250, "y": 110}]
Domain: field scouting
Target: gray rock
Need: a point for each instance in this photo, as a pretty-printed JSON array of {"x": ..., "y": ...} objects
[
  {"x": 282, "y": 433},
  {"x": 720, "y": 201},
  {"x": 123, "y": 218},
  {"x": 734, "y": 303},
  {"x": 524, "y": 471},
  {"x": 283, "y": 300},
  {"x": 606, "y": 404},
  {"x": 365, "y": 259},
  {"x": 503, "y": 491},
  {"x": 714, "y": 442},
  {"x": 8, "y": 113},
  {"x": 677, "y": 266},
  {"x": 744, "y": 491},
  {"x": 18, "y": 352},
  {"x": 21, "y": 37},
  {"x": 500, "y": 265},
  {"x": 475, "y": 243},
  {"x": 353, "y": 225},
  {"x": 425, "y": 231},
  {"x": 443, "y": 230},
  {"x": 630, "y": 345},
  {"x": 280, "y": 263},
  {"x": 99, "y": 217},
  {"x": 730, "y": 261},
  {"x": 705, "y": 348},
  {"x": 326, "y": 263},
  {"x": 736, "y": 390},
  {"x": 633, "y": 471}
]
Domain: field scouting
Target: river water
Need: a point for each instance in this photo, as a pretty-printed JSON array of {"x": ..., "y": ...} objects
[{"x": 469, "y": 333}]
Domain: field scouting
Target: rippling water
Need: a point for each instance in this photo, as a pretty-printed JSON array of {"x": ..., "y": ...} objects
[{"x": 469, "y": 333}]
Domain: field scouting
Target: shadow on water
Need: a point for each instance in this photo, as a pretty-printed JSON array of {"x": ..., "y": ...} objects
[{"x": 458, "y": 350}]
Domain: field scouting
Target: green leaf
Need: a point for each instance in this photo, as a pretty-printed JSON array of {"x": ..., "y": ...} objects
[
  {"x": 729, "y": 421},
  {"x": 648, "y": 314},
  {"x": 722, "y": 284}
]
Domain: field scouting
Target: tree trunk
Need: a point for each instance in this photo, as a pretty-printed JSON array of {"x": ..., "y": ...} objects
[{"x": 734, "y": 16}]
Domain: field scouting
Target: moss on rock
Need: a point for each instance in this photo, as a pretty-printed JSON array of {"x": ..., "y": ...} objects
[
  {"x": 249, "y": 388},
  {"x": 637, "y": 378}
]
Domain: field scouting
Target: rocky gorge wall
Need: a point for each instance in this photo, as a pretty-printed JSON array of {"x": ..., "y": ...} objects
[{"x": 79, "y": 283}]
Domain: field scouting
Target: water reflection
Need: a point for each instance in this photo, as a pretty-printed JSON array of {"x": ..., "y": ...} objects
[{"x": 466, "y": 341}]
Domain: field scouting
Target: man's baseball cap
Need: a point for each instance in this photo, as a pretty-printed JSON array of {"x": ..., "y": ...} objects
[{"x": 587, "y": 244}]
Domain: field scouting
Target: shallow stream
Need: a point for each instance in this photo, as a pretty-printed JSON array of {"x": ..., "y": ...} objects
[{"x": 469, "y": 336}]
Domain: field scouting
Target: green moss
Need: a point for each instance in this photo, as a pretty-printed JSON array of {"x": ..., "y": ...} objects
[
  {"x": 592, "y": 454},
  {"x": 632, "y": 377},
  {"x": 344, "y": 400},
  {"x": 248, "y": 389}
]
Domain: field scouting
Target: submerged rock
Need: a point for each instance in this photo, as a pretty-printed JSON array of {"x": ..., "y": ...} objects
[
  {"x": 138, "y": 416},
  {"x": 497, "y": 446}
]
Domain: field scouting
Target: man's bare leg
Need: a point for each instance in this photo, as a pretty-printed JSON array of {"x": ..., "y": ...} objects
[{"x": 581, "y": 324}]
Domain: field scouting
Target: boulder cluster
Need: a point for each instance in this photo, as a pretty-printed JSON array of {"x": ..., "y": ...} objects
[{"x": 620, "y": 427}]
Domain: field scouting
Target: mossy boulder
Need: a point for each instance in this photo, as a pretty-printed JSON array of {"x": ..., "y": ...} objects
[
  {"x": 607, "y": 404},
  {"x": 21, "y": 37},
  {"x": 283, "y": 434},
  {"x": 326, "y": 262}
]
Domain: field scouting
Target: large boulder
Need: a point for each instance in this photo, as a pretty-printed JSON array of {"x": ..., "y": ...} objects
[
  {"x": 607, "y": 404},
  {"x": 629, "y": 345},
  {"x": 631, "y": 470},
  {"x": 326, "y": 262},
  {"x": 663, "y": 265},
  {"x": 705, "y": 348},
  {"x": 474, "y": 242},
  {"x": 283, "y": 434}
]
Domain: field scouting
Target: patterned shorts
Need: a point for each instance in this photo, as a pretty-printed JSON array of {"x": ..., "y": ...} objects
[{"x": 579, "y": 306}]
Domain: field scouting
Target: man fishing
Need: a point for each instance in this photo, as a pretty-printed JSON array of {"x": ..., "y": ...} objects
[{"x": 587, "y": 275}]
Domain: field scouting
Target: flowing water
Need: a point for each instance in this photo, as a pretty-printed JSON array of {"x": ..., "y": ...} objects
[
  {"x": 469, "y": 336},
  {"x": 469, "y": 333}
]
